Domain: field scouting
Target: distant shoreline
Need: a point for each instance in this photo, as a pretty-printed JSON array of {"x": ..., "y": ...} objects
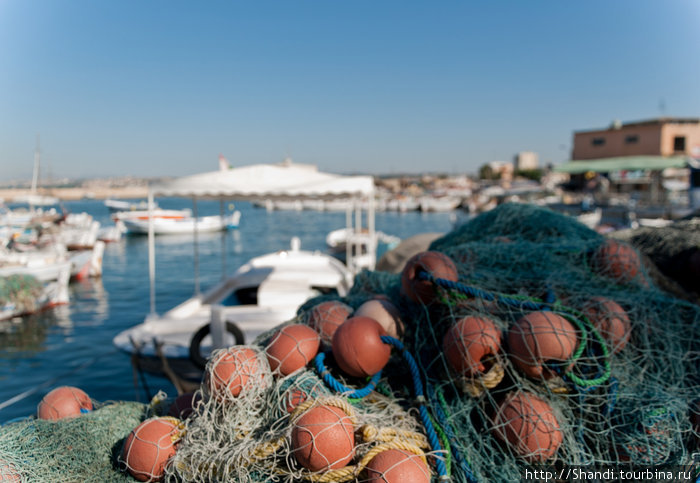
[{"x": 72, "y": 194}]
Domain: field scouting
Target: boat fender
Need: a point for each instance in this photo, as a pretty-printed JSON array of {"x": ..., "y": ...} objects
[{"x": 196, "y": 342}]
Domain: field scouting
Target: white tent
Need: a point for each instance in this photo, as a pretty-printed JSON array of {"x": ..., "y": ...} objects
[
  {"x": 286, "y": 180},
  {"x": 267, "y": 181}
]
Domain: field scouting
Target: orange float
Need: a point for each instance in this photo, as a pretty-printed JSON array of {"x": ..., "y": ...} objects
[
  {"x": 384, "y": 312},
  {"x": 64, "y": 402},
  {"x": 184, "y": 404},
  {"x": 610, "y": 320},
  {"x": 541, "y": 337},
  {"x": 323, "y": 439},
  {"x": 616, "y": 260},
  {"x": 528, "y": 425},
  {"x": 469, "y": 342},
  {"x": 326, "y": 317},
  {"x": 397, "y": 466},
  {"x": 436, "y": 264},
  {"x": 8, "y": 473},
  {"x": 291, "y": 348},
  {"x": 233, "y": 371},
  {"x": 149, "y": 447},
  {"x": 358, "y": 348}
]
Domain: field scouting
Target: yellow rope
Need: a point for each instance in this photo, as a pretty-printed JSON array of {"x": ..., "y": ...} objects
[
  {"x": 351, "y": 472},
  {"x": 267, "y": 448},
  {"x": 557, "y": 385},
  {"x": 371, "y": 433},
  {"x": 179, "y": 428},
  {"x": 333, "y": 401},
  {"x": 475, "y": 386}
]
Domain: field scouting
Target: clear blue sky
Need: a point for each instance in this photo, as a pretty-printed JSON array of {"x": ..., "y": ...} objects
[{"x": 156, "y": 87}]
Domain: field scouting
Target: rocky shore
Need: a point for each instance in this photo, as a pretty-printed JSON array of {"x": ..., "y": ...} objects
[{"x": 78, "y": 193}]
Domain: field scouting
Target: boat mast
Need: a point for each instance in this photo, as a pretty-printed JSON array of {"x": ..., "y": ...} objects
[{"x": 35, "y": 176}]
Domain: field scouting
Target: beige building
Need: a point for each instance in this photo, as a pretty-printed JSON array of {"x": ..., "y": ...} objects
[
  {"x": 503, "y": 169},
  {"x": 526, "y": 161},
  {"x": 655, "y": 137}
]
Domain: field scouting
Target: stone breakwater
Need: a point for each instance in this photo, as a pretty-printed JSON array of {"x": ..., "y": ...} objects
[{"x": 68, "y": 194}]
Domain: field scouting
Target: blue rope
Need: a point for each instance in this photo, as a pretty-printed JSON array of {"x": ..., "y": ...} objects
[
  {"x": 420, "y": 399},
  {"x": 442, "y": 418},
  {"x": 337, "y": 386},
  {"x": 476, "y": 292}
]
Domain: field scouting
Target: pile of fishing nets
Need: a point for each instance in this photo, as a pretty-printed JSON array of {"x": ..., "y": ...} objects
[
  {"x": 19, "y": 293},
  {"x": 521, "y": 341},
  {"x": 674, "y": 249}
]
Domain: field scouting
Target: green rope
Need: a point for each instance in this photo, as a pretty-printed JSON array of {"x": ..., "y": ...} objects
[{"x": 445, "y": 443}]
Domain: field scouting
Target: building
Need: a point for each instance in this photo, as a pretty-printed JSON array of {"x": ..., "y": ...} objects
[
  {"x": 656, "y": 137},
  {"x": 651, "y": 159},
  {"x": 526, "y": 161},
  {"x": 503, "y": 170}
]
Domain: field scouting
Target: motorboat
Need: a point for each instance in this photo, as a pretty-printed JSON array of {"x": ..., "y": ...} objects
[
  {"x": 260, "y": 295},
  {"x": 344, "y": 241},
  {"x": 156, "y": 213},
  {"x": 591, "y": 218},
  {"x": 171, "y": 226}
]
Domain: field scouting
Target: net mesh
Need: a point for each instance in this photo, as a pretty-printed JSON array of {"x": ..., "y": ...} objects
[
  {"x": 20, "y": 293},
  {"x": 552, "y": 345}
]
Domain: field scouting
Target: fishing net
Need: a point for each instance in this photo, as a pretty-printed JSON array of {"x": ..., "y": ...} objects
[
  {"x": 674, "y": 249},
  {"x": 20, "y": 293},
  {"x": 83, "y": 448},
  {"x": 522, "y": 341}
]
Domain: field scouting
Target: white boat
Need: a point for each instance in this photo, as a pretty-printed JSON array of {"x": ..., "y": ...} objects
[
  {"x": 172, "y": 226},
  {"x": 109, "y": 234},
  {"x": 78, "y": 231},
  {"x": 119, "y": 205},
  {"x": 403, "y": 204},
  {"x": 591, "y": 219},
  {"x": 264, "y": 292},
  {"x": 155, "y": 213},
  {"x": 435, "y": 203},
  {"x": 34, "y": 198},
  {"x": 31, "y": 297},
  {"x": 360, "y": 245},
  {"x": 260, "y": 295},
  {"x": 88, "y": 262},
  {"x": 54, "y": 274}
]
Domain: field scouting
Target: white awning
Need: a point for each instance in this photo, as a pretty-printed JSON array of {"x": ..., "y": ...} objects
[{"x": 272, "y": 181}]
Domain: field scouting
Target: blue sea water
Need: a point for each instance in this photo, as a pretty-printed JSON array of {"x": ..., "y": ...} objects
[{"x": 72, "y": 344}]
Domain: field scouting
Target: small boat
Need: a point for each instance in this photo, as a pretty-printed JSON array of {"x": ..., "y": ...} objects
[
  {"x": 439, "y": 203},
  {"x": 50, "y": 270},
  {"x": 403, "y": 204},
  {"x": 171, "y": 226},
  {"x": 592, "y": 218},
  {"x": 337, "y": 242},
  {"x": 115, "y": 206},
  {"x": 34, "y": 198},
  {"x": 260, "y": 295},
  {"x": 156, "y": 213}
]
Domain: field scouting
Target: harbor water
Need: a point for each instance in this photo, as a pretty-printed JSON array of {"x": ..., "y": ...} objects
[{"x": 72, "y": 344}]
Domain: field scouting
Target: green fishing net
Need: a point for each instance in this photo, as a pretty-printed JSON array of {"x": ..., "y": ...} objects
[
  {"x": 83, "y": 448},
  {"x": 20, "y": 293},
  {"x": 551, "y": 347}
]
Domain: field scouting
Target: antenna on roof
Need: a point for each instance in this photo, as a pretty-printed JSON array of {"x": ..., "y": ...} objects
[{"x": 662, "y": 107}]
